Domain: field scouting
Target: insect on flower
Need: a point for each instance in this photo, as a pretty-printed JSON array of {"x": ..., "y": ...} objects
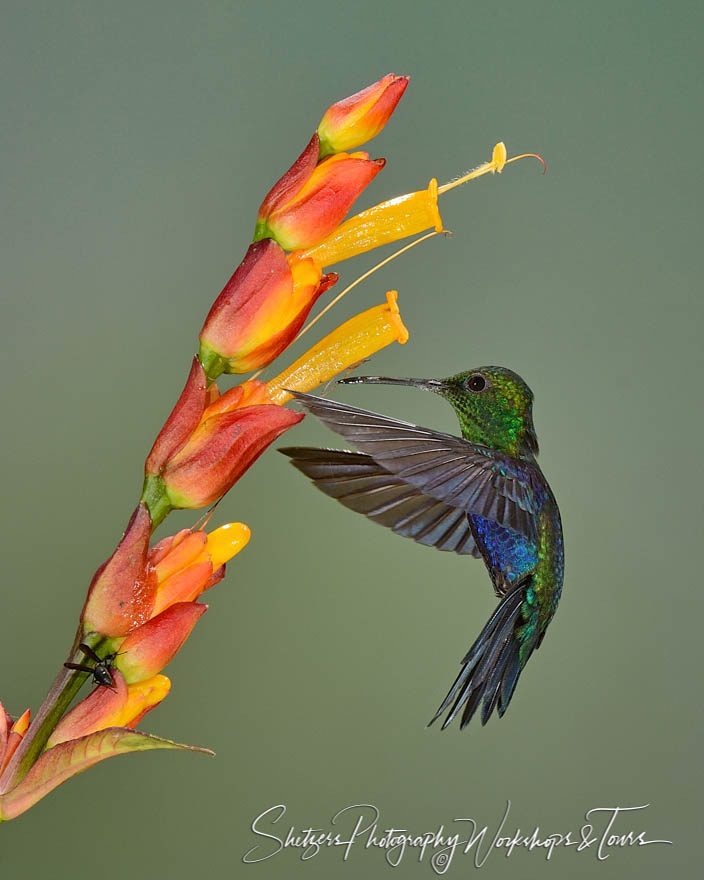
[{"x": 101, "y": 672}]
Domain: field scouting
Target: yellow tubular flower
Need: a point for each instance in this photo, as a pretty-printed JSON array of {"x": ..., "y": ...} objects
[
  {"x": 380, "y": 225},
  {"x": 400, "y": 217},
  {"x": 350, "y": 343}
]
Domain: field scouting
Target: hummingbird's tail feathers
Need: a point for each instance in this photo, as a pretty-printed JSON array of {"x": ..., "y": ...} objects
[
  {"x": 491, "y": 667},
  {"x": 361, "y": 484}
]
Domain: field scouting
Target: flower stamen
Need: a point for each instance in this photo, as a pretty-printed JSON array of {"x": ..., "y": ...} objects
[
  {"x": 366, "y": 275},
  {"x": 494, "y": 166}
]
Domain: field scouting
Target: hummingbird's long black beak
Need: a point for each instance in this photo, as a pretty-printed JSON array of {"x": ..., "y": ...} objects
[{"x": 426, "y": 384}]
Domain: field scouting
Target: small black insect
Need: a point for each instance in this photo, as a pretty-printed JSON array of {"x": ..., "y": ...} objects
[{"x": 101, "y": 671}]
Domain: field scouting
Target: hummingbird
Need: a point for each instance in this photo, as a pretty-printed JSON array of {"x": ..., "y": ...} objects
[{"x": 482, "y": 494}]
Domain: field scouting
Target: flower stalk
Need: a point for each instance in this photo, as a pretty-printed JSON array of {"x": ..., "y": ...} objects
[
  {"x": 144, "y": 601},
  {"x": 62, "y": 693}
]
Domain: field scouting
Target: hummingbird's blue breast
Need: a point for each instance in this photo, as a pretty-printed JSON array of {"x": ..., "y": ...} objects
[{"x": 507, "y": 550}]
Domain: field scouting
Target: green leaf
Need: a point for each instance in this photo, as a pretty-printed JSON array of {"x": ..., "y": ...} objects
[{"x": 67, "y": 759}]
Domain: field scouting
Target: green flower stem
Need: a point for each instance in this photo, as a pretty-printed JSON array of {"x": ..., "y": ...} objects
[
  {"x": 325, "y": 148},
  {"x": 156, "y": 498},
  {"x": 261, "y": 230},
  {"x": 65, "y": 687},
  {"x": 213, "y": 364}
]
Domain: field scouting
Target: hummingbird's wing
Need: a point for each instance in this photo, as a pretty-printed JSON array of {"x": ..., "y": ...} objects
[
  {"x": 363, "y": 485},
  {"x": 464, "y": 475}
]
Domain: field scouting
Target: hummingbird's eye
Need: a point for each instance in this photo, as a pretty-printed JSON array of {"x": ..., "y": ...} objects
[{"x": 476, "y": 383}]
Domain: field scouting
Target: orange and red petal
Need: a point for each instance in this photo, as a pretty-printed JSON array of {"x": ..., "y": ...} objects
[
  {"x": 248, "y": 393},
  {"x": 5, "y": 725},
  {"x": 147, "y": 650},
  {"x": 260, "y": 310},
  {"x": 101, "y": 708},
  {"x": 272, "y": 337},
  {"x": 165, "y": 545},
  {"x": 353, "y": 121},
  {"x": 122, "y": 706},
  {"x": 221, "y": 450},
  {"x": 142, "y": 697},
  {"x": 183, "y": 419},
  {"x": 323, "y": 202},
  {"x": 297, "y": 175},
  {"x": 13, "y": 736},
  {"x": 121, "y": 594},
  {"x": 183, "y": 586},
  {"x": 262, "y": 276},
  {"x": 181, "y": 556}
]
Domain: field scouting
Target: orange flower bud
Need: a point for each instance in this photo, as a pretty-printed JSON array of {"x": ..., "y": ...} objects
[
  {"x": 355, "y": 120},
  {"x": 121, "y": 706},
  {"x": 142, "y": 698},
  {"x": 153, "y": 646},
  {"x": 221, "y": 449},
  {"x": 260, "y": 310},
  {"x": 183, "y": 420},
  {"x": 307, "y": 213},
  {"x": 296, "y": 176},
  {"x": 121, "y": 594}
]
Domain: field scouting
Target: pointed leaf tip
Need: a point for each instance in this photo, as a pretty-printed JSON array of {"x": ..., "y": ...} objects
[{"x": 59, "y": 764}]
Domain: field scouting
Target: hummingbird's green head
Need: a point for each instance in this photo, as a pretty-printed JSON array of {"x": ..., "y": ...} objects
[
  {"x": 493, "y": 404},
  {"x": 494, "y": 407}
]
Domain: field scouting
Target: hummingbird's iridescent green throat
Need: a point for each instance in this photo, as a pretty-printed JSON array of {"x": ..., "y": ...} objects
[{"x": 493, "y": 404}]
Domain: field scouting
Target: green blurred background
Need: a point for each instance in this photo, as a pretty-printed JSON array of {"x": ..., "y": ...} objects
[{"x": 137, "y": 142}]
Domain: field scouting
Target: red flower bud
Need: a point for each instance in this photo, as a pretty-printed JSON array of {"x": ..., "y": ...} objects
[
  {"x": 220, "y": 451},
  {"x": 355, "y": 120},
  {"x": 98, "y": 710},
  {"x": 150, "y": 648},
  {"x": 183, "y": 420},
  {"x": 260, "y": 310},
  {"x": 119, "y": 706},
  {"x": 229, "y": 436},
  {"x": 294, "y": 179},
  {"x": 301, "y": 211},
  {"x": 121, "y": 594}
]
